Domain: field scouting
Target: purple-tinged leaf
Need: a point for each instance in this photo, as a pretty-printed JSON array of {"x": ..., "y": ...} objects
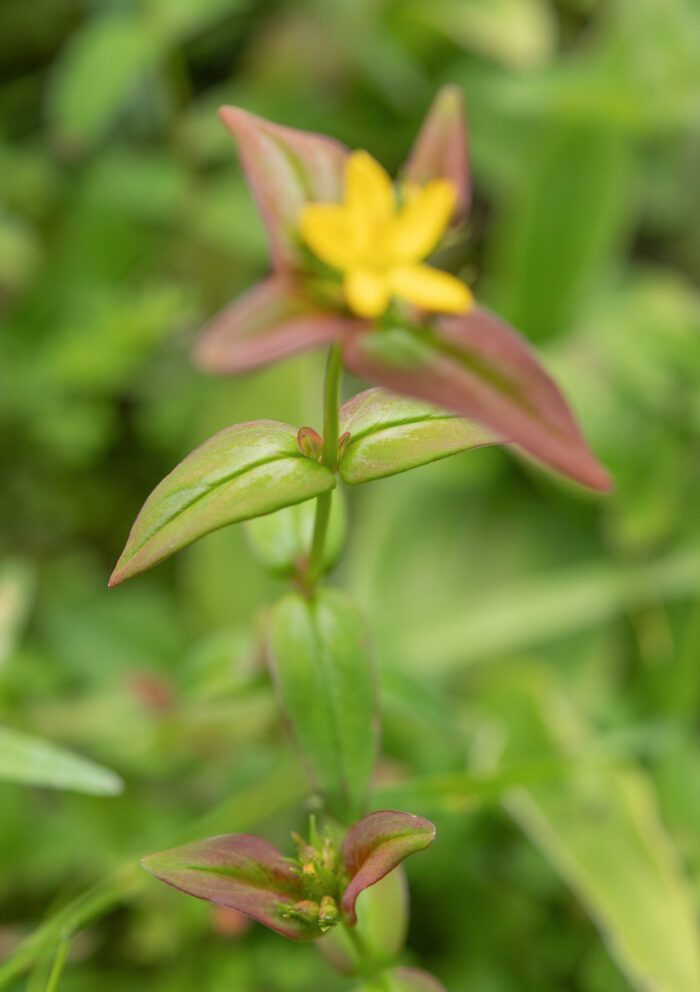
[
  {"x": 391, "y": 433},
  {"x": 376, "y": 845},
  {"x": 441, "y": 149},
  {"x": 413, "y": 980},
  {"x": 240, "y": 871},
  {"x": 242, "y": 472},
  {"x": 272, "y": 321},
  {"x": 285, "y": 169},
  {"x": 478, "y": 366}
]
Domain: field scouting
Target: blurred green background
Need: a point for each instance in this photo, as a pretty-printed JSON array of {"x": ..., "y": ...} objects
[{"x": 539, "y": 648}]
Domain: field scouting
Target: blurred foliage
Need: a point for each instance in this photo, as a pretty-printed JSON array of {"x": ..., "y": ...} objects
[{"x": 539, "y": 649}]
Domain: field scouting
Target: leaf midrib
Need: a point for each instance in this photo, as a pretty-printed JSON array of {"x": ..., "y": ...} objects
[
  {"x": 207, "y": 492},
  {"x": 405, "y": 422}
]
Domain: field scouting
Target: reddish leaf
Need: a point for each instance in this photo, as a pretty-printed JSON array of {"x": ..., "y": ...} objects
[
  {"x": 240, "y": 871},
  {"x": 441, "y": 148},
  {"x": 376, "y": 845},
  {"x": 271, "y": 321},
  {"x": 285, "y": 168},
  {"x": 479, "y": 367}
]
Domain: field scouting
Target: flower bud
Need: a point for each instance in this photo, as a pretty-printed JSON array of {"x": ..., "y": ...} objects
[
  {"x": 310, "y": 443},
  {"x": 329, "y": 913},
  {"x": 305, "y": 911},
  {"x": 343, "y": 443}
]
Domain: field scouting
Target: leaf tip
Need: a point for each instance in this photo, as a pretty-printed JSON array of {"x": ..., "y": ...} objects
[
  {"x": 120, "y": 573},
  {"x": 231, "y": 118},
  {"x": 449, "y": 100}
]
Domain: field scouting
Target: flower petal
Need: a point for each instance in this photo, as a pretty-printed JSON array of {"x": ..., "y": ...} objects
[
  {"x": 285, "y": 168},
  {"x": 441, "y": 148},
  {"x": 241, "y": 871},
  {"x": 367, "y": 294},
  {"x": 369, "y": 193},
  {"x": 271, "y": 321},
  {"x": 376, "y": 845},
  {"x": 417, "y": 229},
  {"x": 331, "y": 233},
  {"x": 478, "y": 366},
  {"x": 431, "y": 289}
]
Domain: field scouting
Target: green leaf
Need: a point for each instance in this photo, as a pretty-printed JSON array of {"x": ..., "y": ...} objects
[
  {"x": 537, "y": 611},
  {"x": 566, "y": 219},
  {"x": 321, "y": 663},
  {"x": 243, "y": 471},
  {"x": 32, "y": 761},
  {"x": 391, "y": 433},
  {"x": 98, "y": 72},
  {"x": 281, "y": 541},
  {"x": 601, "y": 830},
  {"x": 517, "y": 33}
]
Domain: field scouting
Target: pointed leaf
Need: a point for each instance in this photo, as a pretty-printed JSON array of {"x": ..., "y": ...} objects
[
  {"x": 391, "y": 433},
  {"x": 242, "y": 472},
  {"x": 441, "y": 149},
  {"x": 271, "y": 321},
  {"x": 480, "y": 367},
  {"x": 285, "y": 168},
  {"x": 376, "y": 845},
  {"x": 240, "y": 871},
  {"x": 33, "y": 761},
  {"x": 321, "y": 663}
]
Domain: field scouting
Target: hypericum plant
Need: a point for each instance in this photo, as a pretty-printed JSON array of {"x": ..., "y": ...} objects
[{"x": 349, "y": 273}]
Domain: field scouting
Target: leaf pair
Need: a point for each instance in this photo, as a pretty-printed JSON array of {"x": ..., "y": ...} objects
[
  {"x": 251, "y": 875},
  {"x": 253, "y": 469},
  {"x": 473, "y": 364}
]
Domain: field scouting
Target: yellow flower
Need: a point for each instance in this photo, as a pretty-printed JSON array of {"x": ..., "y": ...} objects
[{"x": 379, "y": 248}]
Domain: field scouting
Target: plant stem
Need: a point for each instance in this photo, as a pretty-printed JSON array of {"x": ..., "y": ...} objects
[
  {"x": 330, "y": 407},
  {"x": 57, "y": 967},
  {"x": 368, "y": 967},
  {"x": 323, "y": 513},
  {"x": 329, "y": 456}
]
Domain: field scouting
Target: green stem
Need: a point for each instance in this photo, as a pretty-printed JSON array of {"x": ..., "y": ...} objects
[
  {"x": 58, "y": 963},
  {"x": 318, "y": 544},
  {"x": 329, "y": 457},
  {"x": 330, "y": 407},
  {"x": 368, "y": 967}
]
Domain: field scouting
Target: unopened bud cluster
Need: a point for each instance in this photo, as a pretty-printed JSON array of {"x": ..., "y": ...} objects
[{"x": 323, "y": 876}]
